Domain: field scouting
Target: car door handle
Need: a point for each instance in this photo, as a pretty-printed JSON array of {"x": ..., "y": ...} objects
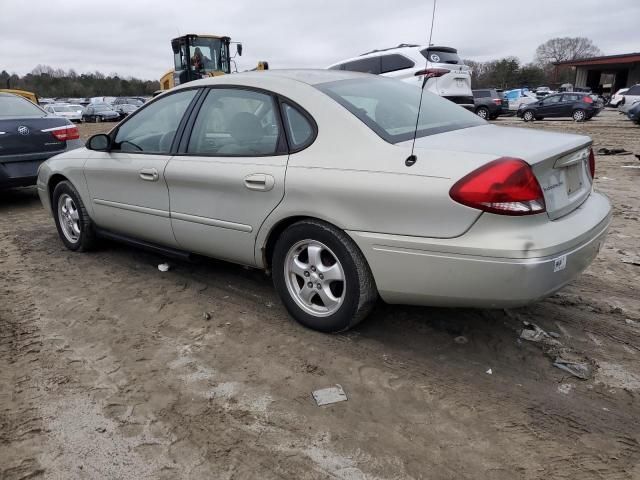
[
  {"x": 149, "y": 174},
  {"x": 259, "y": 181}
]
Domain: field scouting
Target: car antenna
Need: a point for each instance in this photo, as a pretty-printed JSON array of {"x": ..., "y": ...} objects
[{"x": 412, "y": 158}]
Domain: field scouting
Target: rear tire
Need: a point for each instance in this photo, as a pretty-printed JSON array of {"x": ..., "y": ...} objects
[
  {"x": 482, "y": 112},
  {"x": 528, "y": 116},
  {"x": 579, "y": 115},
  {"x": 74, "y": 225},
  {"x": 322, "y": 277}
]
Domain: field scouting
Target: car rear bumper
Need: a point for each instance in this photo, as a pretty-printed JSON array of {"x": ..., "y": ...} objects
[
  {"x": 526, "y": 260},
  {"x": 22, "y": 170}
]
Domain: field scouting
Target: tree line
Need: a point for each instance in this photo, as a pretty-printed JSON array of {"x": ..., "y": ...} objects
[
  {"x": 509, "y": 72},
  {"x": 46, "y": 81}
]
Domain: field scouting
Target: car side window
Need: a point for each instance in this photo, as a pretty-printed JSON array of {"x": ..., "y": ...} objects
[
  {"x": 635, "y": 90},
  {"x": 365, "y": 65},
  {"x": 551, "y": 100},
  {"x": 395, "y": 62},
  {"x": 235, "y": 122},
  {"x": 571, "y": 98},
  {"x": 299, "y": 129},
  {"x": 153, "y": 128}
]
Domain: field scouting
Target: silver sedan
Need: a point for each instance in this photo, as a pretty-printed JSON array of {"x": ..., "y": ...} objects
[{"x": 314, "y": 176}]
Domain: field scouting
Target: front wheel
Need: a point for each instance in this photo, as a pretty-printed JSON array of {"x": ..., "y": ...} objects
[
  {"x": 528, "y": 116},
  {"x": 322, "y": 277},
  {"x": 579, "y": 115},
  {"x": 72, "y": 220}
]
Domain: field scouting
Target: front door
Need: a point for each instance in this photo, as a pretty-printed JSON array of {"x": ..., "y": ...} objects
[
  {"x": 127, "y": 184},
  {"x": 550, "y": 106},
  {"x": 231, "y": 175}
]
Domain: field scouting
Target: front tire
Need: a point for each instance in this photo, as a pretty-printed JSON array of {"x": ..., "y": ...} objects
[
  {"x": 528, "y": 116},
  {"x": 322, "y": 277},
  {"x": 72, "y": 220}
]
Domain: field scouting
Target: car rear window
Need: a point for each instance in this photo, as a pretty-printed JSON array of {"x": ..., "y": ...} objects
[
  {"x": 440, "y": 56},
  {"x": 364, "y": 65},
  {"x": 12, "y": 106},
  {"x": 390, "y": 108}
]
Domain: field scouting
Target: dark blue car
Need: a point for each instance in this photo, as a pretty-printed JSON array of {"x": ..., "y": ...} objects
[{"x": 28, "y": 137}]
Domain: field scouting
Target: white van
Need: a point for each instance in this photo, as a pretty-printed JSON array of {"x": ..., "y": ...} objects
[{"x": 443, "y": 69}]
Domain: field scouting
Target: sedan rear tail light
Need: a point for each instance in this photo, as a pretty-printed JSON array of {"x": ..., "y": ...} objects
[
  {"x": 432, "y": 72},
  {"x": 592, "y": 163},
  {"x": 587, "y": 99},
  {"x": 506, "y": 186},
  {"x": 66, "y": 132}
]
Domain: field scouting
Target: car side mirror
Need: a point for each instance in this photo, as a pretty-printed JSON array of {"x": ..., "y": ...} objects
[
  {"x": 99, "y": 143},
  {"x": 239, "y": 49}
]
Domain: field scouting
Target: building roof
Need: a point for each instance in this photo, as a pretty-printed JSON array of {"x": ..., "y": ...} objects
[{"x": 604, "y": 60}]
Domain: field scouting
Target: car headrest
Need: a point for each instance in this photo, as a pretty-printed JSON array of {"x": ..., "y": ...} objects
[{"x": 245, "y": 127}]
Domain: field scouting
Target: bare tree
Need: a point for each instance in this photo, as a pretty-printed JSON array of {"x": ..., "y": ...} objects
[{"x": 564, "y": 49}]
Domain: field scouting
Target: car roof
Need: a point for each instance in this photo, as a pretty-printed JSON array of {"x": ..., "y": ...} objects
[{"x": 308, "y": 76}]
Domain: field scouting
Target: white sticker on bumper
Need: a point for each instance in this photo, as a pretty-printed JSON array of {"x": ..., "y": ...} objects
[{"x": 559, "y": 263}]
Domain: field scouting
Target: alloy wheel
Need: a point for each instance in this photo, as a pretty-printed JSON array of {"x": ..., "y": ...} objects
[
  {"x": 314, "y": 278},
  {"x": 69, "y": 218}
]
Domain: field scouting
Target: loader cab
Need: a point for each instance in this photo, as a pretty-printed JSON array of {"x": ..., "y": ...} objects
[{"x": 200, "y": 56}]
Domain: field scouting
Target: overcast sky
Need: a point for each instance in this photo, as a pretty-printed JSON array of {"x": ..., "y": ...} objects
[{"x": 132, "y": 37}]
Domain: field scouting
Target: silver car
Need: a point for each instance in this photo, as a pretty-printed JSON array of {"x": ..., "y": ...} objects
[{"x": 311, "y": 175}]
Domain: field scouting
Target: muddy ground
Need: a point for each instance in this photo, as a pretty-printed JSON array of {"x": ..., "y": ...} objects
[{"x": 109, "y": 368}]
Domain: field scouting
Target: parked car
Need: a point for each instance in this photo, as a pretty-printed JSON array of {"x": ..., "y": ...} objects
[
  {"x": 127, "y": 101},
  {"x": 634, "y": 113},
  {"x": 578, "y": 106},
  {"x": 29, "y": 136},
  {"x": 488, "y": 104},
  {"x": 475, "y": 215},
  {"x": 518, "y": 97},
  {"x": 125, "y": 109},
  {"x": 76, "y": 107},
  {"x": 617, "y": 97},
  {"x": 99, "y": 112},
  {"x": 441, "y": 67},
  {"x": 629, "y": 98},
  {"x": 542, "y": 92},
  {"x": 65, "y": 111}
]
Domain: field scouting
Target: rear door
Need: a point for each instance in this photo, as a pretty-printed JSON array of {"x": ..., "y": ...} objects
[
  {"x": 568, "y": 100},
  {"x": 127, "y": 184},
  {"x": 229, "y": 174}
]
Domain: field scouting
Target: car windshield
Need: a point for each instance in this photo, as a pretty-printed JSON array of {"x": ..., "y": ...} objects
[
  {"x": 11, "y": 106},
  {"x": 101, "y": 108},
  {"x": 390, "y": 108}
]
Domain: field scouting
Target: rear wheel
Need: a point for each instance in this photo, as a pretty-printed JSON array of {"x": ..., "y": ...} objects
[
  {"x": 72, "y": 220},
  {"x": 322, "y": 277},
  {"x": 482, "y": 112},
  {"x": 579, "y": 115},
  {"x": 528, "y": 116}
]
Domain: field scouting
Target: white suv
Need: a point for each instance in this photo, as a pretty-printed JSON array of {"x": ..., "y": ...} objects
[
  {"x": 630, "y": 98},
  {"x": 445, "y": 72}
]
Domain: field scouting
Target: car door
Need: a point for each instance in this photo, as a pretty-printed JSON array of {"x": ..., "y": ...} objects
[
  {"x": 229, "y": 174},
  {"x": 566, "y": 105},
  {"x": 127, "y": 184},
  {"x": 550, "y": 106}
]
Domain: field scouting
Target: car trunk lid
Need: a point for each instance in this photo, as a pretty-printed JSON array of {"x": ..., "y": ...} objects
[
  {"x": 559, "y": 161},
  {"x": 30, "y": 135}
]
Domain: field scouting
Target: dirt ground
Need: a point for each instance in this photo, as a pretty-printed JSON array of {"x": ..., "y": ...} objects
[{"x": 110, "y": 369}]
